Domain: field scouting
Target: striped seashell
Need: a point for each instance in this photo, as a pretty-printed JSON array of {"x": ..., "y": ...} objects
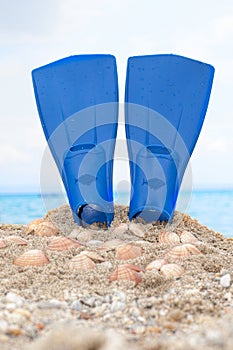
[
  {"x": 191, "y": 248},
  {"x": 63, "y": 243},
  {"x": 33, "y": 257},
  {"x": 93, "y": 255},
  {"x": 2, "y": 243},
  {"x": 119, "y": 230},
  {"x": 40, "y": 227},
  {"x": 128, "y": 251},
  {"x": 156, "y": 264},
  {"x": 134, "y": 267},
  {"x": 137, "y": 229},
  {"x": 31, "y": 227},
  {"x": 110, "y": 245},
  {"x": 17, "y": 240},
  {"x": 168, "y": 237},
  {"x": 172, "y": 270},
  {"x": 81, "y": 262},
  {"x": 123, "y": 272},
  {"x": 178, "y": 253},
  {"x": 188, "y": 237}
]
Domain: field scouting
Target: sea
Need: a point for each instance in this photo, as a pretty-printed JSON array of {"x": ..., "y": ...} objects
[{"x": 213, "y": 208}]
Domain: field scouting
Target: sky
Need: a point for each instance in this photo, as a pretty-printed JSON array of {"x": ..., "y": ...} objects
[{"x": 34, "y": 33}]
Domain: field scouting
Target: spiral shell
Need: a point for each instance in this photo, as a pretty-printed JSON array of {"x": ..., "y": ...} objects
[
  {"x": 40, "y": 227},
  {"x": 188, "y": 237},
  {"x": 156, "y": 264},
  {"x": 124, "y": 272},
  {"x": 34, "y": 257},
  {"x": 110, "y": 245},
  {"x": 168, "y": 237},
  {"x": 63, "y": 243},
  {"x": 172, "y": 270},
  {"x": 82, "y": 263},
  {"x": 128, "y": 251},
  {"x": 17, "y": 240}
]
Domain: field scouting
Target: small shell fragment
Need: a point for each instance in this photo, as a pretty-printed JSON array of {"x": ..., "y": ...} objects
[
  {"x": 123, "y": 272},
  {"x": 2, "y": 243},
  {"x": 119, "y": 230},
  {"x": 137, "y": 229},
  {"x": 156, "y": 264},
  {"x": 168, "y": 237},
  {"x": 82, "y": 263},
  {"x": 63, "y": 243},
  {"x": 110, "y": 245},
  {"x": 17, "y": 240},
  {"x": 172, "y": 270},
  {"x": 34, "y": 257},
  {"x": 128, "y": 251},
  {"x": 188, "y": 237},
  {"x": 93, "y": 255},
  {"x": 40, "y": 227}
]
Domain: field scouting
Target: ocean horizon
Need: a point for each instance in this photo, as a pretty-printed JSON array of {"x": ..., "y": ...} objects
[{"x": 212, "y": 208}]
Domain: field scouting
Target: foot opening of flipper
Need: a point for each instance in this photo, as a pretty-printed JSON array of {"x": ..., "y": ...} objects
[{"x": 91, "y": 213}]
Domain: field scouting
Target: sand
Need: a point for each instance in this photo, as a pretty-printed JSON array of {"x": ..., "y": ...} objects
[{"x": 57, "y": 307}]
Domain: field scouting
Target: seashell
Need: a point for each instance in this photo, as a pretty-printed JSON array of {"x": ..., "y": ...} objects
[
  {"x": 2, "y": 243},
  {"x": 188, "y": 237},
  {"x": 40, "y": 227},
  {"x": 119, "y": 230},
  {"x": 110, "y": 245},
  {"x": 168, "y": 237},
  {"x": 17, "y": 239},
  {"x": 172, "y": 270},
  {"x": 123, "y": 272},
  {"x": 93, "y": 255},
  {"x": 134, "y": 267},
  {"x": 63, "y": 243},
  {"x": 128, "y": 251},
  {"x": 30, "y": 228},
  {"x": 156, "y": 264},
  {"x": 178, "y": 253},
  {"x": 137, "y": 229},
  {"x": 33, "y": 257},
  {"x": 192, "y": 249},
  {"x": 81, "y": 262}
]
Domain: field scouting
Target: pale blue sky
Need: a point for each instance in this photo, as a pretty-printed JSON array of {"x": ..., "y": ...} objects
[{"x": 33, "y": 33}]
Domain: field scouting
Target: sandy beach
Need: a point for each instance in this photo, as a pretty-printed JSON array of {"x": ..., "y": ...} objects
[{"x": 60, "y": 306}]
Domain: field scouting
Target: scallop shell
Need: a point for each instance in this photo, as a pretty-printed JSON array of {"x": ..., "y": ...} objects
[
  {"x": 81, "y": 262},
  {"x": 40, "y": 227},
  {"x": 123, "y": 272},
  {"x": 168, "y": 237},
  {"x": 17, "y": 240},
  {"x": 172, "y": 270},
  {"x": 93, "y": 255},
  {"x": 110, "y": 245},
  {"x": 128, "y": 251},
  {"x": 178, "y": 253},
  {"x": 137, "y": 229},
  {"x": 191, "y": 248},
  {"x": 188, "y": 237},
  {"x": 134, "y": 267},
  {"x": 156, "y": 264},
  {"x": 2, "y": 243},
  {"x": 119, "y": 230},
  {"x": 33, "y": 257},
  {"x": 63, "y": 243}
]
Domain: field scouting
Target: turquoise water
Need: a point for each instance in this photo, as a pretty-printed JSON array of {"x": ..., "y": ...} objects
[{"x": 212, "y": 208}]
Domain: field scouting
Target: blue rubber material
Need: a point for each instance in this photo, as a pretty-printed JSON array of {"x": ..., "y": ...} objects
[
  {"x": 166, "y": 101},
  {"x": 77, "y": 101}
]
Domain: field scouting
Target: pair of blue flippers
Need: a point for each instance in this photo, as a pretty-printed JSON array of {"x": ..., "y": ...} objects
[{"x": 166, "y": 99}]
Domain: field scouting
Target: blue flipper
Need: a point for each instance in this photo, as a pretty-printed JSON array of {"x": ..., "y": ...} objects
[
  {"x": 166, "y": 101},
  {"x": 77, "y": 101}
]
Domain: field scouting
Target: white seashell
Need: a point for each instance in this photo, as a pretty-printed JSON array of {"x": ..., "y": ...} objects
[
  {"x": 188, "y": 237},
  {"x": 110, "y": 245},
  {"x": 128, "y": 251},
  {"x": 172, "y": 270},
  {"x": 93, "y": 255},
  {"x": 156, "y": 264},
  {"x": 119, "y": 230},
  {"x": 137, "y": 229},
  {"x": 191, "y": 248},
  {"x": 168, "y": 237},
  {"x": 34, "y": 257},
  {"x": 82, "y": 263}
]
